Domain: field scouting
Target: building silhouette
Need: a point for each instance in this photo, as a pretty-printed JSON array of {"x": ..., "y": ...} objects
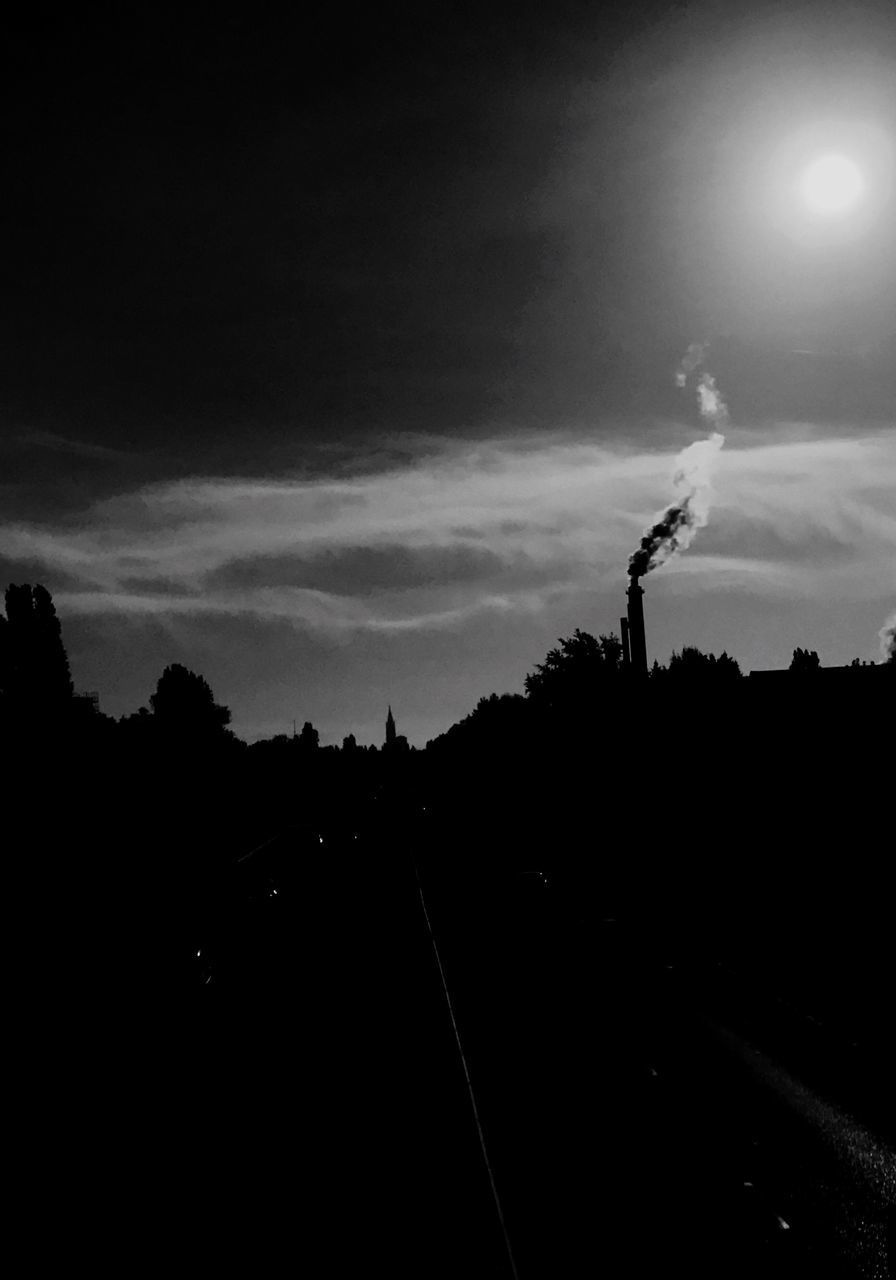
[{"x": 394, "y": 741}]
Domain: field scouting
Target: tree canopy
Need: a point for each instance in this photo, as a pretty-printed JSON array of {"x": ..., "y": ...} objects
[
  {"x": 34, "y": 670},
  {"x": 578, "y": 667},
  {"x": 805, "y": 660},
  {"x": 184, "y": 701},
  {"x": 692, "y": 663}
]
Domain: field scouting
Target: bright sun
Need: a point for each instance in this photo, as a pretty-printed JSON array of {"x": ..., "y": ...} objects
[{"x": 832, "y": 185}]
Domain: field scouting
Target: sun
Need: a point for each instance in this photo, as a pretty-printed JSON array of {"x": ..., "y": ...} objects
[
  {"x": 831, "y": 186},
  {"x": 827, "y": 184}
]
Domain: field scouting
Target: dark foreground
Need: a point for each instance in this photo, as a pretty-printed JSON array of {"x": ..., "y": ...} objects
[
  {"x": 655, "y": 1096},
  {"x": 647, "y": 1107}
]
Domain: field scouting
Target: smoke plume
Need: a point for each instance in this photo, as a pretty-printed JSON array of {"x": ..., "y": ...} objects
[
  {"x": 887, "y": 635},
  {"x": 674, "y": 529},
  {"x": 691, "y": 359}
]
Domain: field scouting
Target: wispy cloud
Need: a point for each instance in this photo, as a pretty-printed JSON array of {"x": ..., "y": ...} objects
[
  {"x": 55, "y": 443},
  {"x": 502, "y": 526}
]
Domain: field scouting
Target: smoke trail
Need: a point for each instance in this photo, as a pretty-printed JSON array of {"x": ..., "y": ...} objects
[
  {"x": 693, "y": 357},
  {"x": 887, "y": 635},
  {"x": 674, "y": 529}
]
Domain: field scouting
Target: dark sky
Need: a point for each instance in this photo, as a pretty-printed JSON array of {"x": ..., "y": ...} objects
[
  {"x": 338, "y": 259},
  {"x": 321, "y": 223}
]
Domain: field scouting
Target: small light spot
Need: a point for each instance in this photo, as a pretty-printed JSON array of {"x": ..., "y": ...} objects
[
  {"x": 198, "y": 954},
  {"x": 748, "y": 1184},
  {"x": 785, "y": 1226}
]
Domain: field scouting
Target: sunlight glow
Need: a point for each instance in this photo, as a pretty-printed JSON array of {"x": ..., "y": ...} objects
[
  {"x": 828, "y": 184},
  {"x": 832, "y": 185}
]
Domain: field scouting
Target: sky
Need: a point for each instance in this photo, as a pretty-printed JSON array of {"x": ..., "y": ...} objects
[{"x": 338, "y": 356}]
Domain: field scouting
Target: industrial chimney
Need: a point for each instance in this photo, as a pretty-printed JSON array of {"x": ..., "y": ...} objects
[{"x": 637, "y": 640}]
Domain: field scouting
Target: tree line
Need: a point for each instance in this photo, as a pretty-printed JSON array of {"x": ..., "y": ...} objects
[{"x": 35, "y": 681}]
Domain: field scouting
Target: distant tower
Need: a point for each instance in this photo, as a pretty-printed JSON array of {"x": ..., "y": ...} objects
[{"x": 390, "y": 729}]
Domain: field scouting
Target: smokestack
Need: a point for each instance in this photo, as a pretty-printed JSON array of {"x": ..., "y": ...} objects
[
  {"x": 626, "y": 652},
  {"x": 637, "y": 638}
]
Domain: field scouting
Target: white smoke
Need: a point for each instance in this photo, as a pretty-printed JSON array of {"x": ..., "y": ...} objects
[
  {"x": 693, "y": 476},
  {"x": 674, "y": 529},
  {"x": 692, "y": 358},
  {"x": 712, "y": 406},
  {"x": 887, "y": 635}
]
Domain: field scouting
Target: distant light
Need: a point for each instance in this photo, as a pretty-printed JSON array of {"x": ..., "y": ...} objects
[{"x": 832, "y": 185}]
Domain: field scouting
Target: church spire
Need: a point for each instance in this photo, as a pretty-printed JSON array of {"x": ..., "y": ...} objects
[{"x": 390, "y": 729}]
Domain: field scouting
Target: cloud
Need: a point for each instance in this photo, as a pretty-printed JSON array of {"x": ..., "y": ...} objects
[
  {"x": 363, "y": 570},
  {"x": 503, "y": 526},
  {"x": 55, "y": 443}
]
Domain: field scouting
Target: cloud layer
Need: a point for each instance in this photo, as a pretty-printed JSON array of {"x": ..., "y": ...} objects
[{"x": 506, "y": 526}]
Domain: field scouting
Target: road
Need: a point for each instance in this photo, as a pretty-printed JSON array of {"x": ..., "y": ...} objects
[
  {"x": 640, "y": 1115},
  {"x": 642, "y": 1124}
]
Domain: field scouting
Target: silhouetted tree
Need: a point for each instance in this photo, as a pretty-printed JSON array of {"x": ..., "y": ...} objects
[
  {"x": 183, "y": 701},
  {"x": 349, "y": 742},
  {"x": 692, "y": 663},
  {"x": 578, "y": 668},
  {"x": 496, "y": 722},
  {"x": 34, "y": 670},
  {"x": 804, "y": 660},
  {"x": 138, "y": 728},
  {"x": 309, "y": 738}
]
